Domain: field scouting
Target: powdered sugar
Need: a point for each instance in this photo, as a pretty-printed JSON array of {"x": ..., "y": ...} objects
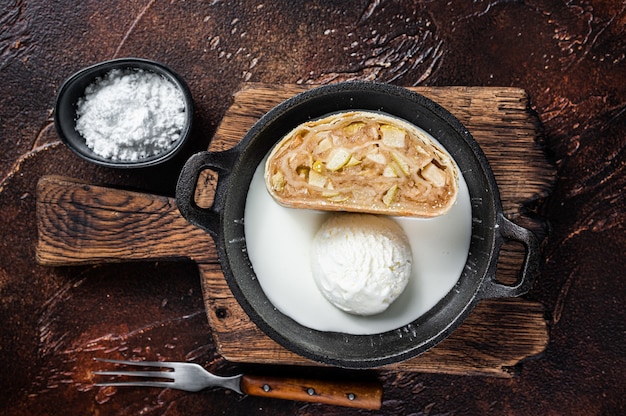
[{"x": 129, "y": 115}]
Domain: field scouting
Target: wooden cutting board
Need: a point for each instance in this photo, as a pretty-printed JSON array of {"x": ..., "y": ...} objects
[{"x": 81, "y": 223}]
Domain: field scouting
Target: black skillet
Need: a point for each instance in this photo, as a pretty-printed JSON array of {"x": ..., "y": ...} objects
[{"x": 224, "y": 221}]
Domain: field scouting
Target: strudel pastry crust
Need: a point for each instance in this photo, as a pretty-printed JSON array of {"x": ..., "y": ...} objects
[{"x": 362, "y": 161}]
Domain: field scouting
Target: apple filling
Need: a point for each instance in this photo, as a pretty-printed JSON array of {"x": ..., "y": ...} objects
[{"x": 362, "y": 162}]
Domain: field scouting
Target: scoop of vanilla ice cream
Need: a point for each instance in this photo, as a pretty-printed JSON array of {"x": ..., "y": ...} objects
[{"x": 360, "y": 262}]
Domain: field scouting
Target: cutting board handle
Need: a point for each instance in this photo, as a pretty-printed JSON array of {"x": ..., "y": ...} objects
[
  {"x": 79, "y": 223},
  {"x": 206, "y": 218}
]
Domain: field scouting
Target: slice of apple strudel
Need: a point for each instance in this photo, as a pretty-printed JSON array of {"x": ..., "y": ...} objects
[{"x": 361, "y": 161}]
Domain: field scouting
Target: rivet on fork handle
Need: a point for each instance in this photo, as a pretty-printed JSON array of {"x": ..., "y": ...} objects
[{"x": 361, "y": 395}]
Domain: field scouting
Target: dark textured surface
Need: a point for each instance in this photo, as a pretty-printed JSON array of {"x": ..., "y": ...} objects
[{"x": 569, "y": 57}]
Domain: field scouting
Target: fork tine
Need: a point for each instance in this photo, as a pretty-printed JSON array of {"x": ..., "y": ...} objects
[
  {"x": 153, "y": 374},
  {"x": 163, "y": 384}
]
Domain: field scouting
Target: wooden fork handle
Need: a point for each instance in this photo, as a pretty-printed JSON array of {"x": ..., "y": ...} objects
[{"x": 351, "y": 394}]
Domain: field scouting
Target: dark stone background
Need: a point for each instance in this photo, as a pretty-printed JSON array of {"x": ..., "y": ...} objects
[{"x": 569, "y": 57}]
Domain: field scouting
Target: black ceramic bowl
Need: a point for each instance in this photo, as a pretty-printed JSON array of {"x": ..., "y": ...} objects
[
  {"x": 236, "y": 167},
  {"x": 74, "y": 88}
]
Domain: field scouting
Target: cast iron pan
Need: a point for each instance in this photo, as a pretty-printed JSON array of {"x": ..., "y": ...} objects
[{"x": 224, "y": 221}]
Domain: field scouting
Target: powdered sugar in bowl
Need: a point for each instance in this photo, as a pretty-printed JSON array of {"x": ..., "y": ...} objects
[{"x": 124, "y": 113}]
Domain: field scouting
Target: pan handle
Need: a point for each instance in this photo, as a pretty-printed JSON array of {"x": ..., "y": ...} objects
[
  {"x": 530, "y": 268},
  {"x": 220, "y": 162}
]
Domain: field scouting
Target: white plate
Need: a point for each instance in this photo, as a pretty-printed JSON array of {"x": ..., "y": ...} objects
[{"x": 278, "y": 242}]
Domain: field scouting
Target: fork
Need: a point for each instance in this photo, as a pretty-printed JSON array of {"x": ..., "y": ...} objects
[{"x": 193, "y": 377}]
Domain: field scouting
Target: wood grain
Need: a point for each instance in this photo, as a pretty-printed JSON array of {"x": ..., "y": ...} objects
[
  {"x": 81, "y": 223},
  {"x": 337, "y": 392}
]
